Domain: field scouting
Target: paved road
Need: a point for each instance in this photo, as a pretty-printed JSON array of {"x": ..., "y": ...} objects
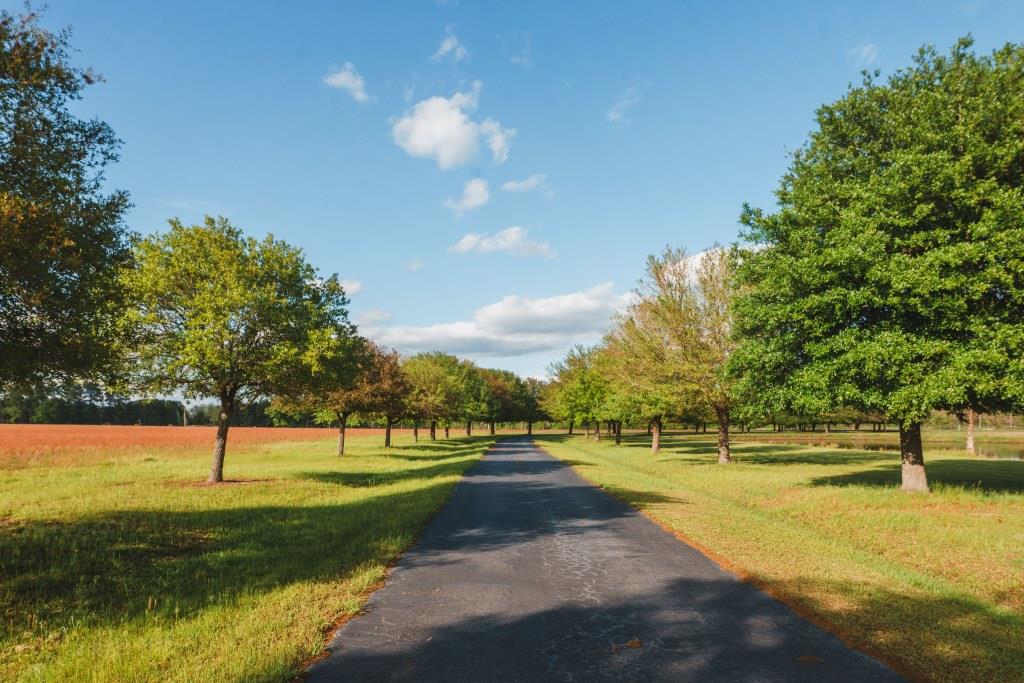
[{"x": 529, "y": 573}]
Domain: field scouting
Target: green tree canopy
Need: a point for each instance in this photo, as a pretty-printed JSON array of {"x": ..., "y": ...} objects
[
  {"x": 890, "y": 277},
  {"x": 217, "y": 314},
  {"x": 62, "y": 238}
]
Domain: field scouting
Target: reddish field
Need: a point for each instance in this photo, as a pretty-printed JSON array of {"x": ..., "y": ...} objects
[{"x": 23, "y": 445}]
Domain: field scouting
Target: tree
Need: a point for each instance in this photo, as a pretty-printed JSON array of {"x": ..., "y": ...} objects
[
  {"x": 388, "y": 388},
  {"x": 439, "y": 384},
  {"x": 476, "y": 398},
  {"x": 62, "y": 239},
  {"x": 506, "y": 396},
  {"x": 217, "y": 314},
  {"x": 889, "y": 278},
  {"x": 533, "y": 397},
  {"x": 675, "y": 340},
  {"x": 340, "y": 387}
]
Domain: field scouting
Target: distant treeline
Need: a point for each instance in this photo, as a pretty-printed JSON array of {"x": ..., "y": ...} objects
[{"x": 77, "y": 405}]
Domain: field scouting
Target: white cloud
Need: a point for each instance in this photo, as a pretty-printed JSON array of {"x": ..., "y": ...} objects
[
  {"x": 373, "y": 316},
  {"x": 474, "y": 195},
  {"x": 440, "y": 128},
  {"x": 414, "y": 265},
  {"x": 864, "y": 54},
  {"x": 498, "y": 139},
  {"x": 515, "y": 325},
  {"x": 524, "y": 185},
  {"x": 627, "y": 99},
  {"x": 514, "y": 240},
  {"x": 348, "y": 79},
  {"x": 351, "y": 286},
  {"x": 450, "y": 47}
]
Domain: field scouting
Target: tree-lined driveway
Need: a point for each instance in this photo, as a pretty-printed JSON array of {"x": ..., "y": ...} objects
[{"x": 531, "y": 573}]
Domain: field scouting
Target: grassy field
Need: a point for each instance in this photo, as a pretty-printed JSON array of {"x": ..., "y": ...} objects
[
  {"x": 123, "y": 566},
  {"x": 932, "y": 584}
]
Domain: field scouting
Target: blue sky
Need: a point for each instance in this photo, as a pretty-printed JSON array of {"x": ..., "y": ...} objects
[{"x": 492, "y": 175}]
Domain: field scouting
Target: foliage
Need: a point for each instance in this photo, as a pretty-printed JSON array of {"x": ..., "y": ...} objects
[
  {"x": 890, "y": 277},
  {"x": 217, "y": 314},
  {"x": 62, "y": 238}
]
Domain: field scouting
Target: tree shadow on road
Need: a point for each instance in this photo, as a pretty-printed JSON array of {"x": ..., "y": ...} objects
[{"x": 686, "y": 629}]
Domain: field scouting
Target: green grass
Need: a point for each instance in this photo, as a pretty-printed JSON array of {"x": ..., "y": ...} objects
[
  {"x": 932, "y": 584},
  {"x": 129, "y": 570}
]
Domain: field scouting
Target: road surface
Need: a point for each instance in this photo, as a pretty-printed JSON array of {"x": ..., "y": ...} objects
[{"x": 529, "y": 573}]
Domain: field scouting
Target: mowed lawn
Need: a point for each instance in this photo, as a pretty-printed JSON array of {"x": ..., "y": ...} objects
[
  {"x": 931, "y": 584},
  {"x": 124, "y": 566}
]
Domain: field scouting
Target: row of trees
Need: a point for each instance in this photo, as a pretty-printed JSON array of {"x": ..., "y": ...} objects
[
  {"x": 889, "y": 281},
  {"x": 435, "y": 390}
]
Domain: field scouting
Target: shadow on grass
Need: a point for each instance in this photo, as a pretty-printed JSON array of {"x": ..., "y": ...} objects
[
  {"x": 988, "y": 476},
  {"x": 454, "y": 465}
]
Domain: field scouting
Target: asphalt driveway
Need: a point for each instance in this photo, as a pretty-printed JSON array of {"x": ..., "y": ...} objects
[{"x": 529, "y": 573}]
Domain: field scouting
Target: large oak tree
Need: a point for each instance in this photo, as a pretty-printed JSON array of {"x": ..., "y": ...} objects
[{"x": 891, "y": 276}]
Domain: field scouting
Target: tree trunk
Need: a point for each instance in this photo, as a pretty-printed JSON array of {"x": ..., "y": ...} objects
[
  {"x": 655, "y": 435},
  {"x": 387, "y": 434},
  {"x": 912, "y": 457},
  {"x": 724, "y": 457},
  {"x": 597, "y": 431},
  {"x": 570, "y": 426},
  {"x": 342, "y": 424},
  {"x": 618, "y": 433},
  {"x": 227, "y": 411},
  {"x": 696, "y": 427},
  {"x": 416, "y": 431},
  {"x": 586, "y": 430},
  {"x": 469, "y": 428},
  {"x": 446, "y": 431},
  {"x": 970, "y": 431},
  {"x": 433, "y": 430},
  {"x": 492, "y": 427},
  {"x": 529, "y": 428}
]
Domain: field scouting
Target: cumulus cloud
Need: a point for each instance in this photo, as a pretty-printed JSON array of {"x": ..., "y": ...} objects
[
  {"x": 440, "y": 128},
  {"x": 627, "y": 99},
  {"x": 414, "y": 265},
  {"x": 514, "y": 240},
  {"x": 864, "y": 54},
  {"x": 524, "y": 185},
  {"x": 450, "y": 47},
  {"x": 348, "y": 79},
  {"x": 514, "y": 326},
  {"x": 351, "y": 286},
  {"x": 474, "y": 195}
]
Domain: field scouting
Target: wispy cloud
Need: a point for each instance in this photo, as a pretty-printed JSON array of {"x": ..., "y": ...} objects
[
  {"x": 513, "y": 240},
  {"x": 351, "y": 286},
  {"x": 450, "y": 47},
  {"x": 524, "y": 185},
  {"x": 347, "y": 78},
  {"x": 474, "y": 195},
  {"x": 863, "y": 54},
  {"x": 414, "y": 265},
  {"x": 622, "y": 104},
  {"x": 440, "y": 128}
]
